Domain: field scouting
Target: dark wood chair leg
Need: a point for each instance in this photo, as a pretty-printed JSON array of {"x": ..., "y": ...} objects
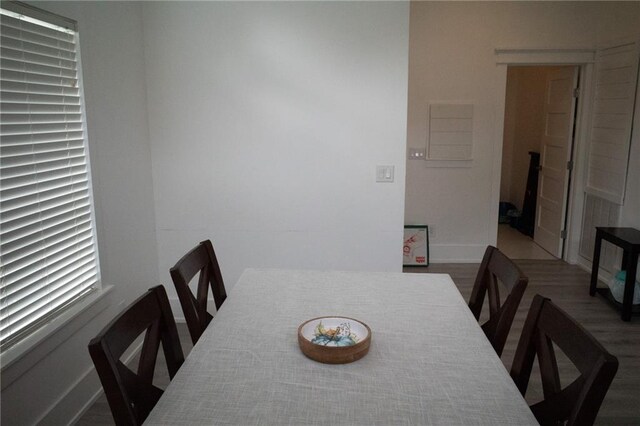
[
  {"x": 629, "y": 285},
  {"x": 595, "y": 265}
]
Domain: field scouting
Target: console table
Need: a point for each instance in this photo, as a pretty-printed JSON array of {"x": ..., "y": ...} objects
[{"x": 629, "y": 240}]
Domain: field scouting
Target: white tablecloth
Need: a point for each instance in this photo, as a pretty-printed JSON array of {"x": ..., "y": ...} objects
[{"x": 429, "y": 362}]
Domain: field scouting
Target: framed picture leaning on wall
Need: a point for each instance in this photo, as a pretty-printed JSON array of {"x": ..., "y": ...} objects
[{"x": 416, "y": 245}]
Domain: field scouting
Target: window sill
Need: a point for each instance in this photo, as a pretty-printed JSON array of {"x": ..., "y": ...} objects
[{"x": 23, "y": 355}]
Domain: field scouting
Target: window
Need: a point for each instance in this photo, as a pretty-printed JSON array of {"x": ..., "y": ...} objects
[{"x": 47, "y": 237}]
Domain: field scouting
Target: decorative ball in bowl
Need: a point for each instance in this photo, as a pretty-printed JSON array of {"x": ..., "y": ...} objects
[{"x": 334, "y": 340}]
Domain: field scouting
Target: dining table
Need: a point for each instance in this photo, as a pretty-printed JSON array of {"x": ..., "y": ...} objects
[{"x": 429, "y": 361}]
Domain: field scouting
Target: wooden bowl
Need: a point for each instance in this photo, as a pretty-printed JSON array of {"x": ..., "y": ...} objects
[{"x": 334, "y": 340}]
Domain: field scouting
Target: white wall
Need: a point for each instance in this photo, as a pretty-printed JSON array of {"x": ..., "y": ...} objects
[
  {"x": 267, "y": 121},
  {"x": 452, "y": 58},
  {"x": 59, "y": 377}
]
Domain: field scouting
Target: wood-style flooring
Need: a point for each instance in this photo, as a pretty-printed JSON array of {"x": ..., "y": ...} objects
[
  {"x": 515, "y": 245},
  {"x": 567, "y": 286}
]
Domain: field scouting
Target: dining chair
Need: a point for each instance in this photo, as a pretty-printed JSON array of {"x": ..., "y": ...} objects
[
  {"x": 132, "y": 395},
  {"x": 496, "y": 267},
  {"x": 578, "y": 403},
  {"x": 201, "y": 259}
]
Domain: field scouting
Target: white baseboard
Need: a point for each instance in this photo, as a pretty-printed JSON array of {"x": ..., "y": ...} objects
[
  {"x": 58, "y": 413},
  {"x": 92, "y": 400}
]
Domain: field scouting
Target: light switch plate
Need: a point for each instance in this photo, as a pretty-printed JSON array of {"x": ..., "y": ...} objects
[{"x": 384, "y": 173}]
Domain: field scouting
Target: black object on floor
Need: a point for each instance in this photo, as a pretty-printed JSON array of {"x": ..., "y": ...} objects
[{"x": 528, "y": 218}]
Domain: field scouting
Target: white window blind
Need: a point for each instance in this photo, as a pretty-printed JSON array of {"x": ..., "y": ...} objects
[{"x": 47, "y": 242}]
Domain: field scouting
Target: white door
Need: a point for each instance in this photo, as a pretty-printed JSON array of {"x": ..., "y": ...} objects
[
  {"x": 553, "y": 180},
  {"x": 610, "y": 137},
  {"x": 612, "y": 120}
]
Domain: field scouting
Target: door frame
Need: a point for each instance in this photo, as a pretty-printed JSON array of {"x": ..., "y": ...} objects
[{"x": 584, "y": 59}]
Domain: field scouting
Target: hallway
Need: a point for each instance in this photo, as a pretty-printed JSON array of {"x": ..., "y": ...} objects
[{"x": 516, "y": 245}]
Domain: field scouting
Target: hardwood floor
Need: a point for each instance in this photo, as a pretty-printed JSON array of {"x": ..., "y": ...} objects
[
  {"x": 516, "y": 245},
  {"x": 568, "y": 287}
]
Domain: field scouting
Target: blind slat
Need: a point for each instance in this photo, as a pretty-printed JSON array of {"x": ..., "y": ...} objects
[
  {"x": 7, "y": 52},
  {"x": 24, "y": 129},
  {"x": 38, "y": 49},
  {"x": 13, "y": 81},
  {"x": 31, "y": 255},
  {"x": 40, "y": 118},
  {"x": 41, "y": 138},
  {"x": 38, "y": 205},
  {"x": 19, "y": 331},
  {"x": 23, "y": 181},
  {"x": 51, "y": 230},
  {"x": 30, "y": 179},
  {"x": 30, "y": 220},
  {"x": 54, "y": 273},
  {"x": 47, "y": 226},
  {"x": 28, "y": 108},
  {"x": 58, "y": 295},
  {"x": 37, "y": 69},
  {"x": 20, "y": 286},
  {"x": 36, "y": 158},
  {"x": 35, "y": 28},
  {"x": 68, "y": 185},
  {"x": 18, "y": 308},
  {"x": 19, "y": 150},
  {"x": 36, "y": 99},
  {"x": 44, "y": 166},
  {"x": 34, "y": 263},
  {"x": 24, "y": 35}
]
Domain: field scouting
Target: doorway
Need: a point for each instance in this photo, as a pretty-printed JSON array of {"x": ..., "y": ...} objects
[{"x": 539, "y": 121}]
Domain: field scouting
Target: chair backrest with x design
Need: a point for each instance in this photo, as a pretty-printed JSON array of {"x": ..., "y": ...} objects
[
  {"x": 579, "y": 402},
  {"x": 201, "y": 259},
  {"x": 132, "y": 395},
  {"x": 495, "y": 268}
]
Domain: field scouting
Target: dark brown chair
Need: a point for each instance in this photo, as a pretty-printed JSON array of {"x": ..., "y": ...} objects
[
  {"x": 132, "y": 396},
  {"x": 496, "y": 267},
  {"x": 200, "y": 259},
  {"x": 579, "y": 402}
]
